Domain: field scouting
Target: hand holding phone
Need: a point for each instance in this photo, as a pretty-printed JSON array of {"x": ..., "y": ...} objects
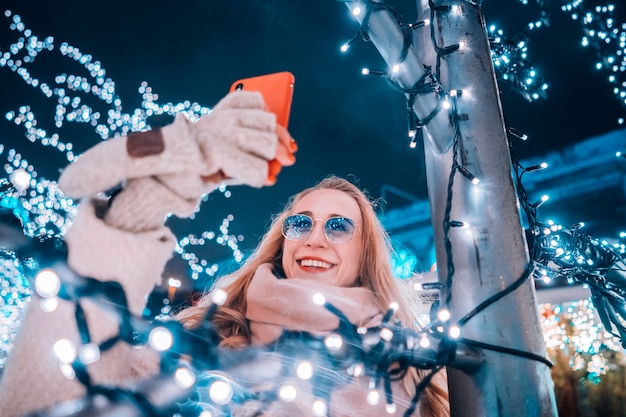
[{"x": 277, "y": 91}]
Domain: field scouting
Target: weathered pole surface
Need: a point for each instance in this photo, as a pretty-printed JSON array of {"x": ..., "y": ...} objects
[{"x": 490, "y": 253}]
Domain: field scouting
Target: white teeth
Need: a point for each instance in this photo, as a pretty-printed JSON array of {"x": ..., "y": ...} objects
[{"x": 315, "y": 263}]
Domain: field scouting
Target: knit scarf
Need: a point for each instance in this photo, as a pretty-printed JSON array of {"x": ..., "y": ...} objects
[{"x": 276, "y": 304}]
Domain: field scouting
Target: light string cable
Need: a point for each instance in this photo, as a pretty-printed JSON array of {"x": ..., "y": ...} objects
[
  {"x": 186, "y": 354},
  {"x": 192, "y": 363},
  {"x": 568, "y": 253},
  {"x": 389, "y": 350},
  {"x": 427, "y": 83}
]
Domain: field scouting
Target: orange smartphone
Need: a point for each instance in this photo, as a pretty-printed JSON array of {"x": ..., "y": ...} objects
[{"x": 277, "y": 91}]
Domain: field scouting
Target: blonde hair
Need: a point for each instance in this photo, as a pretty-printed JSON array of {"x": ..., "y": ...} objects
[{"x": 375, "y": 274}]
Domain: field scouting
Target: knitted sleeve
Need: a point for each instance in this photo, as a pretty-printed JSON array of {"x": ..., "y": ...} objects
[{"x": 32, "y": 379}]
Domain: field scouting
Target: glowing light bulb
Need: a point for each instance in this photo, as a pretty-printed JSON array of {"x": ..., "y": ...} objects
[
  {"x": 160, "y": 339},
  {"x": 20, "y": 178},
  {"x": 344, "y": 47},
  {"x": 543, "y": 199},
  {"x": 89, "y": 353},
  {"x": 174, "y": 282},
  {"x": 390, "y": 408},
  {"x": 365, "y": 71},
  {"x": 355, "y": 370},
  {"x": 446, "y": 104},
  {"x": 467, "y": 174},
  {"x": 424, "y": 341},
  {"x": 356, "y": 11},
  {"x": 288, "y": 393},
  {"x": 64, "y": 350},
  {"x": 304, "y": 370},
  {"x": 454, "y": 332},
  {"x": 184, "y": 377},
  {"x": 218, "y": 297},
  {"x": 319, "y": 299},
  {"x": 443, "y": 315},
  {"x": 333, "y": 342},
  {"x": 47, "y": 283},
  {"x": 49, "y": 304},
  {"x": 319, "y": 408},
  {"x": 67, "y": 370},
  {"x": 220, "y": 392},
  {"x": 373, "y": 397},
  {"x": 386, "y": 334},
  {"x": 395, "y": 69}
]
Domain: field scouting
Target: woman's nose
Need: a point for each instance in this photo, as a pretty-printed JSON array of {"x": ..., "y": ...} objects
[{"x": 317, "y": 238}]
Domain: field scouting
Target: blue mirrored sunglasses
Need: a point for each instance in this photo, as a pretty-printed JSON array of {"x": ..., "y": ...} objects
[{"x": 336, "y": 229}]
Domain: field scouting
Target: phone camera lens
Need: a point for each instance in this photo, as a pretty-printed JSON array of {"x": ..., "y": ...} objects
[{"x": 239, "y": 87}]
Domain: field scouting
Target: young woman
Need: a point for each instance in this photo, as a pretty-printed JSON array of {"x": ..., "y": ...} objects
[{"x": 327, "y": 240}]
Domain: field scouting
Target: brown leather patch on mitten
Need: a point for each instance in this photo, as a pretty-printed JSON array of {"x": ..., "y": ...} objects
[{"x": 140, "y": 144}]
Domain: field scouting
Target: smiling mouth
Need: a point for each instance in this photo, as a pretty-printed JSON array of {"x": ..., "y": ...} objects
[{"x": 314, "y": 263}]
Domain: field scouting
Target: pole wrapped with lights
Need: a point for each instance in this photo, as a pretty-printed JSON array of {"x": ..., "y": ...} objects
[{"x": 477, "y": 261}]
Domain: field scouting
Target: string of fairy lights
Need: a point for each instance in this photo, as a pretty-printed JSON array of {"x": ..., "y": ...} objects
[
  {"x": 189, "y": 359},
  {"x": 603, "y": 34},
  {"x": 353, "y": 352}
]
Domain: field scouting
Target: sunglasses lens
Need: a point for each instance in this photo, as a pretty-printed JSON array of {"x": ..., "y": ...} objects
[
  {"x": 297, "y": 226},
  {"x": 339, "y": 229},
  {"x": 336, "y": 229}
]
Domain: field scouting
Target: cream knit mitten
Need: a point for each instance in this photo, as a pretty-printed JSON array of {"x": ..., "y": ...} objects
[
  {"x": 167, "y": 170},
  {"x": 237, "y": 138}
]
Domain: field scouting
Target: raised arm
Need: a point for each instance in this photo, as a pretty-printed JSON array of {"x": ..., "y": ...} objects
[{"x": 166, "y": 171}]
